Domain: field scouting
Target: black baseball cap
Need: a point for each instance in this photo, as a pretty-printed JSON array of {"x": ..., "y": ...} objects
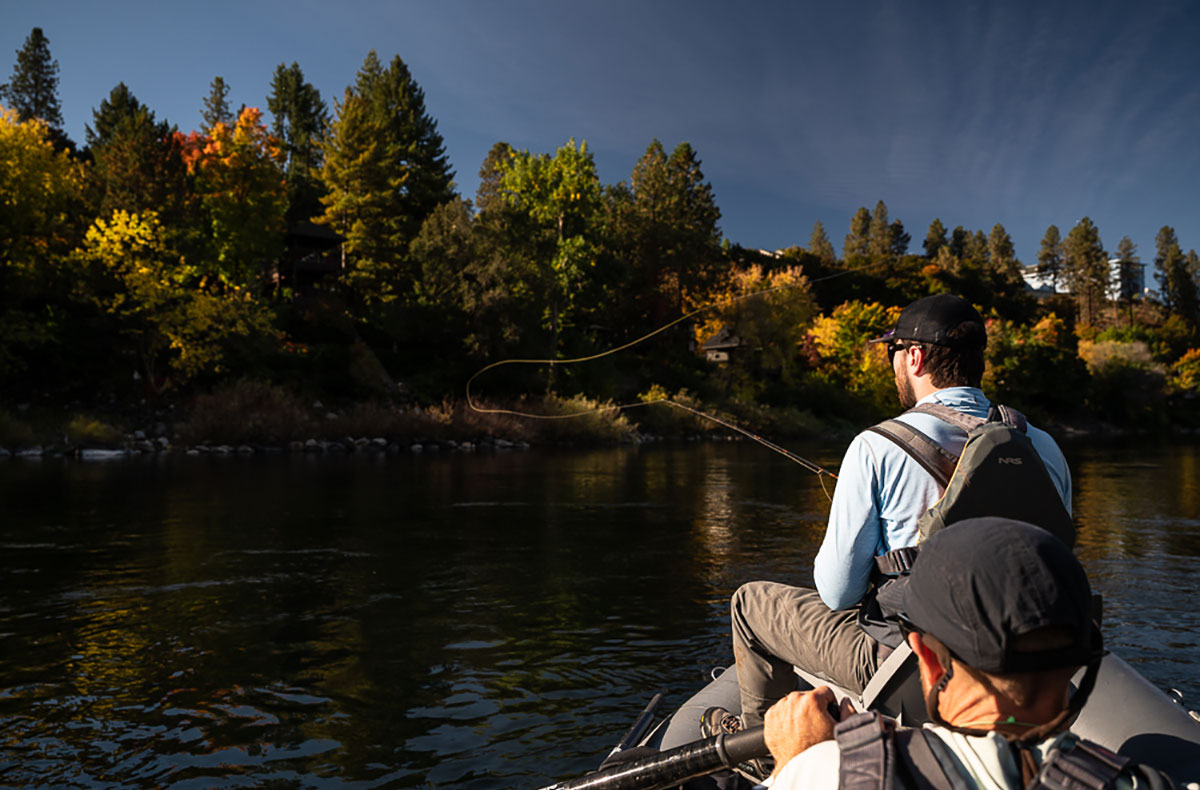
[
  {"x": 980, "y": 584},
  {"x": 932, "y": 318}
]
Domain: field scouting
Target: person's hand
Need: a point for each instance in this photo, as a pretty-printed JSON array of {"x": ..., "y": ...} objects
[{"x": 801, "y": 720}]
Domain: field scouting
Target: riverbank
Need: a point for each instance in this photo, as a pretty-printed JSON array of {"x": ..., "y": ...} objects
[{"x": 249, "y": 418}]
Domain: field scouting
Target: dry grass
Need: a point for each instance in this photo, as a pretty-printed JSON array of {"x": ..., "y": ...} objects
[{"x": 248, "y": 411}]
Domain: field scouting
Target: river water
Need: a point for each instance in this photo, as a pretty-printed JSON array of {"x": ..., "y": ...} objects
[{"x": 474, "y": 621}]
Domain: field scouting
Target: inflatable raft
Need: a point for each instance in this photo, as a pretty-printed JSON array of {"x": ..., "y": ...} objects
[{"x": 1125, "y": 713}]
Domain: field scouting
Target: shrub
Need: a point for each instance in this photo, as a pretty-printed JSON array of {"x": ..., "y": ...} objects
[
  {"x": 1126, "y": 386},
  {"x": 248, "y": 411},
  {"x": 14, "y": 432},
  {"x": 83, "y": 429},
  {"x": 1034, "y": 368},
  {"x": 1185, "y": 373}
]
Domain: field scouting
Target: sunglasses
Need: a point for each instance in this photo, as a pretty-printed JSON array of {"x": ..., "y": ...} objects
[{"x": 894, "y": 346}]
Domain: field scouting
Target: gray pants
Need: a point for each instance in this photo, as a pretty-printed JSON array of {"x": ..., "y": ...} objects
[{"x": 776, "y": 626}]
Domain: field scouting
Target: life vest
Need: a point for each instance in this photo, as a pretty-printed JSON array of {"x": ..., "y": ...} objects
[
  {"x": 877, "y": 755},
  {"x": 998, "y": 473}
]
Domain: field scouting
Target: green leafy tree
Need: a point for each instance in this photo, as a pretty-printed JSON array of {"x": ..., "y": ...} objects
[
  {"x": 819, "y": 244},
  {"x": 561, "y": 195},
  {"x": 1050, "y": 257},
  {"x": 856, "y": 249},
  {"x": 216, "y": 106},
  {"x": 300, "y": 118},
  {"x": 243, "y": 197},
  {"x": 1086, "y": 265},
  {"x": 175, "y": 322},
  {"x": 385, "y": 170},
  {"x": 33, "y": 89}
]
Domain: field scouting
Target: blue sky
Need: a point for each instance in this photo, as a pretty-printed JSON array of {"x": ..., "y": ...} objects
[{"x": 1023, "y": 113}]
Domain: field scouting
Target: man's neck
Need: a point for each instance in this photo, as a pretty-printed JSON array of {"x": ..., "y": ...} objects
[{"x": 966, "y": 703}]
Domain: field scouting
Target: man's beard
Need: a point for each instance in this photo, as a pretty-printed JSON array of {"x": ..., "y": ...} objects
[{"x": 904, "y": 388}]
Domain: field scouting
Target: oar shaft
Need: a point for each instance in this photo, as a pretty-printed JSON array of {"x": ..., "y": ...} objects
[{"x": 675, "y": 765}]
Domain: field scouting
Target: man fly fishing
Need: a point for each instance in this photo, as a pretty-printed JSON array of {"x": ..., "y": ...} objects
[{"x": 888, "y": 479}]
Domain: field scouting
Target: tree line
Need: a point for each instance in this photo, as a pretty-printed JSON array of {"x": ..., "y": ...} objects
[{"x": 157, "y": 251}]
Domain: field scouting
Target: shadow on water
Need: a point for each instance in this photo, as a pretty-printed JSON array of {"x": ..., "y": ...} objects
[{"x": 453, "y": 621}]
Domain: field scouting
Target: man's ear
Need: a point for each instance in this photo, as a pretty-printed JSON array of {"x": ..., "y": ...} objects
[
  {"x": 918, "y": 358},
  {"x": 927, "y": 661}
]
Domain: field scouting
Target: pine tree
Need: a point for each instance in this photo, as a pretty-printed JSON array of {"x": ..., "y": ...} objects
[
  {"x": 857, "y": 246},
  {"x": 33, "y": 89},
  {"x": 1001, "y": 257},
  {"x": 1177, "y": 286},
  {"x": 1050, "y": 257},
  {"x": 880, "y": 246},
  {"x": 138, "y": 161},
  {"x": 1128, "y": 264},
  {"x": 900, "y": 239},
  {"x": 115, "y": 111},
  {"x": 300, "y": 118},
  {"x": 216, "y": 106},
  {"x": 935, "y": 239},
  {"x": 1086, "y": 265},
  {"x": 385, "y": 170},
  {"x": 819, "y": 245}
]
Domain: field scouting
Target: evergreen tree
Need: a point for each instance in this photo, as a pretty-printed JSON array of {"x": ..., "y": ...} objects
[
  {"x": 935, "y": 239},
  {"x": 1001, "y": 258},
  {"x": 489, "y": 195},
  {"x": 1050, "y": 257},
  {"x": 385, "y": 170},
  {"x": 960, "y": 237},
  {"x": 1086, "y": 265},
  {"x": 819, "y": 245},
  {"x": 115, "y": 111},
  {"x": 1128, "y": 264},
  {"x": 975, "y": 253},
  {"x": 33, "y": 89},
  {"x": 1177, "y": 286},
  {"x": 139, "y": 164},
  {"x": 900, "y": 239},
  {"x": 880, "y": 246},
  {"x": 857, "y": 246},
  {"x": 300, "y": 118},
  {"x": 216, "y": 105}
]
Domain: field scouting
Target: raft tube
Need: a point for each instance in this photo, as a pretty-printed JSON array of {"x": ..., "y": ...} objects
[{"x": 1125, "y": 713}]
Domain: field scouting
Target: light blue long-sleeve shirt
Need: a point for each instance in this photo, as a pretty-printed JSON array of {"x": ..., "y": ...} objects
[{"x": 881, "y": 492}]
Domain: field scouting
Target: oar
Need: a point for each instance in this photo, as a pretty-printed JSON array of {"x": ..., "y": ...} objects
[
  {"x": 674, "y": 766},
  {"x": 639, "y": 727}
]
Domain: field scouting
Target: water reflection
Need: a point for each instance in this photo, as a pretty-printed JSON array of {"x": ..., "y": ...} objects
[{"x": 483, "y": 621}]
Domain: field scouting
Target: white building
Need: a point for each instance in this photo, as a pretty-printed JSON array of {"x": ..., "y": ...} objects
[{"x": 1040, "y": 284}]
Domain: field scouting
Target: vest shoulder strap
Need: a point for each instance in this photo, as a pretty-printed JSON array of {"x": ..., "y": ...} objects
[
  {"x": 877, "y": 755},
  {"x": 933, "y": 458},
  {"x": 1079, "y": 765},
  {"x": 964, "y": 422}
]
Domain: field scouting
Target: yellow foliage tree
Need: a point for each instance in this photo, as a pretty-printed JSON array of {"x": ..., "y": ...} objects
[
  {"x": 40, "y": 197},
  {"x": 177, "y": 319},
  {"x": 845, "y": 357},
  {"x": 769, "y": 313},
  {"x": 240, "y": 181}
]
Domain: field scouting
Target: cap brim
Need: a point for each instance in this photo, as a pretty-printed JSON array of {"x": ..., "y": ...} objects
[{"x": 885, "y": 337}]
